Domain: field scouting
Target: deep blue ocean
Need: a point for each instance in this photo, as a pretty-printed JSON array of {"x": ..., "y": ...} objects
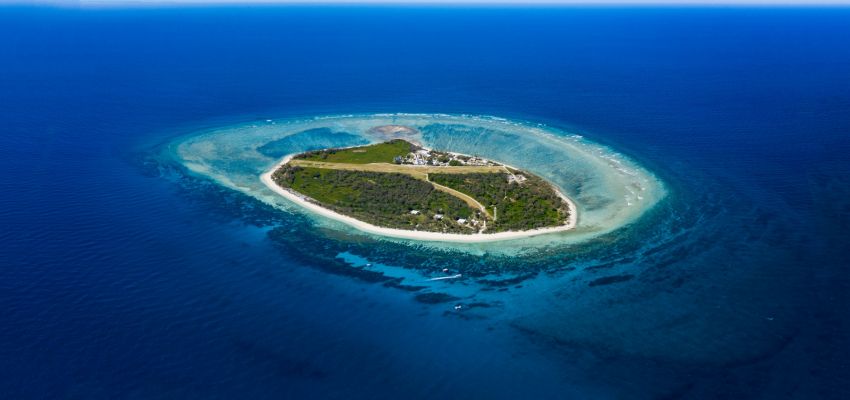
[{"x": 121, "y": 277}]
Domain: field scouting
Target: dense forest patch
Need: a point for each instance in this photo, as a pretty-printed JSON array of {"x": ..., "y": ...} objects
[
  {"x": 520, "y": 204},
  {"x": 382, "y": 199}
]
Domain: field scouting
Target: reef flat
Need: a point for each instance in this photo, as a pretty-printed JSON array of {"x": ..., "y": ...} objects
[{"x": 609, "y": 190}]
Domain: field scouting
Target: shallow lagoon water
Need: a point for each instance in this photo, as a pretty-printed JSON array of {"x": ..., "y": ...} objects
[
  {"x": 611, "y": 191},
  {"x": 629, "y": 230},
  {"x": 125, "y": 275}
]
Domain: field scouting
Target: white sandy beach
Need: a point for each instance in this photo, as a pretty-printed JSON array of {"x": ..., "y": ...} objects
[{"x": 301, "y": 200}]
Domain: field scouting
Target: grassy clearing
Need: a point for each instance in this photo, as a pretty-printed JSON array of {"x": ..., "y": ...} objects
[
  {"x": 376, "y": 153},
  {"x": 417, "y": 171}
]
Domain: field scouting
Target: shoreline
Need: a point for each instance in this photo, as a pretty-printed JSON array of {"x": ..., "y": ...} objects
[{"x": 300, "y": 200}]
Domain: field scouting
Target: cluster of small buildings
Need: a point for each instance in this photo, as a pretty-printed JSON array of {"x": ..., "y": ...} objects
[
  {"x": 437, "y": 158},
  {"x": 478, "y": 161},
  {"x": 439, "y": 217},
  {"x": 422, "y": 157},
  {"x": 518, "y": 178}
]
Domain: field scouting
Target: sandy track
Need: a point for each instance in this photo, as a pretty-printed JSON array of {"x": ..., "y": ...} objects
[{"x": 304, "y": 202}]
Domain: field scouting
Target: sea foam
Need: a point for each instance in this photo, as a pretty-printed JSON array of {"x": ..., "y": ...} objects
[{"x": 610, "y": 190}]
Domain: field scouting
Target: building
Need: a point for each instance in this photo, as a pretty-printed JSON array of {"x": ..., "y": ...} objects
[{"x": 516, "y": 178}]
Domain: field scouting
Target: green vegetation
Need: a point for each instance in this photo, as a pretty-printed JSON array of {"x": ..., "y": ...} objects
[
  {"x": 384, "y": 152},
  {"x": 530, "y": 204},
  {"x": 382, "y": 199},
  {"x": 427, "y": 190}
]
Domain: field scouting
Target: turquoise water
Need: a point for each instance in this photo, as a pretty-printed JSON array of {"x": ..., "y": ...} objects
[
  {"x": 628, "y": 227},
  {"x": 140, "y": 256},
  {"x": 610, "y": 190}
]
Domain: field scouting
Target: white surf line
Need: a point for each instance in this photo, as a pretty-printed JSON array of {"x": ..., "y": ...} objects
[
  {"x": 439, "y": 278},
  {"x": 304, "y": 202}
]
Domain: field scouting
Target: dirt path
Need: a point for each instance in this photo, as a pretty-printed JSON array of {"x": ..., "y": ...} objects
[
  {"x": 416, "y": 171},
  {"x": 466, "y": 198}
]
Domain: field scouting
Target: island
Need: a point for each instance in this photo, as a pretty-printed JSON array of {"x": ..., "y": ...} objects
[{"x": 402, "y": 189}]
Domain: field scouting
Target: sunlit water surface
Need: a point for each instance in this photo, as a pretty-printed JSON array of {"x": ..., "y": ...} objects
[{"x": 141, "y": 257}]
